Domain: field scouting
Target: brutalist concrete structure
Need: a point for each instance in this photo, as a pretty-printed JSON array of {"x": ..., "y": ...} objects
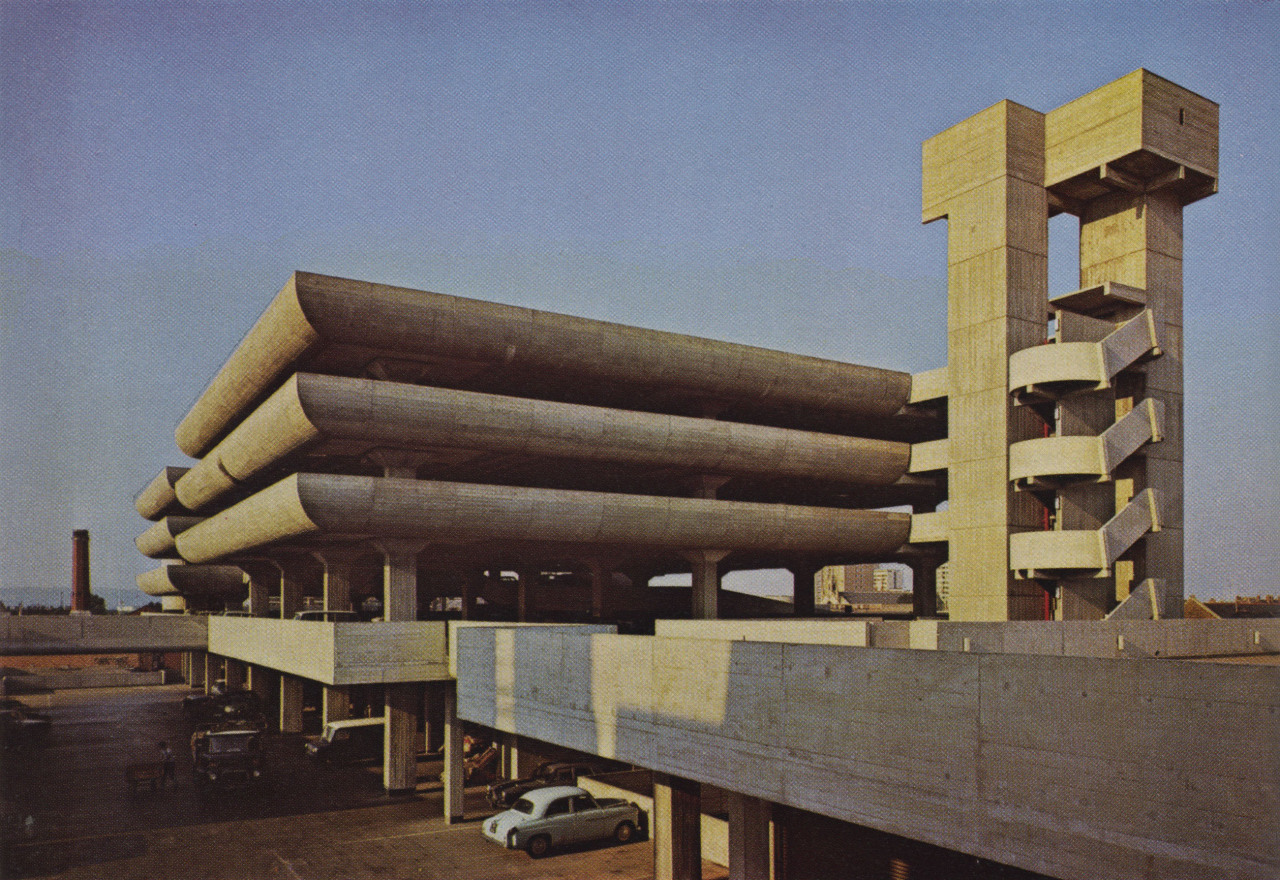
[{"x": 372, "y": 443}]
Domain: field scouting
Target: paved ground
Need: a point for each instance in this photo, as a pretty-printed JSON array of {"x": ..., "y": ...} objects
[{"x": 304, "y": 823}]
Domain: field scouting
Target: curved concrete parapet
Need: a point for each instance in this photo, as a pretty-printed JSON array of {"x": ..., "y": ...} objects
[
  {"x": 313, "y": 312},
  {"x": 193, "y": 580},
  {"x": 1047, "y": 372},
  {"x": 306, "y": 506},
  {"x": 1081, "y": 552},
  {"x": 1068, "y": 459},
  {"x": 157, "y": 542},
  {"x": 311, "y": 408},
  {"x": 160, "y": 498}
]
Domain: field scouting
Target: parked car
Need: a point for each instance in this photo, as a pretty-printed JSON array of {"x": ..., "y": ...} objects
[
  {"x": 563, "y": 814},
  {"x": 243, "y": 708},
  {"x": 230, "y": 756},
  {"x": 344, "y": 742},
  {"x": 503, "y": 794},
  {"x": 327, "y": 616},
  {"x": 21, "y": 726}
]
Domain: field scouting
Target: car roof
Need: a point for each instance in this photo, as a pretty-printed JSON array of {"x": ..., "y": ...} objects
[
  {"x": 541, "y": 796},
  {"x": 357, "y": 722}
]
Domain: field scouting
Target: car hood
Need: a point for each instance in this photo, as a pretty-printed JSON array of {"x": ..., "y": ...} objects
[{"x": 499, "y": 825}]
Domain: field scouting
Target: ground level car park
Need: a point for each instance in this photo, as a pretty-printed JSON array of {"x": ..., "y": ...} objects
[{"x": 300, "y": 824}]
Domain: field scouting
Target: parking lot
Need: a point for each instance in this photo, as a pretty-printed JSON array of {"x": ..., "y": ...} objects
[{"x": 68, "y": 812}]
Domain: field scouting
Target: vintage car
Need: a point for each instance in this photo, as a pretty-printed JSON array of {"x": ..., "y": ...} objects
[
  {"x": 345, "y": 742},
  {"x": 243, "y": 708},
  {"x": 560, "y": 815},
  {"x": 21, "y": 726},
  {"x": 503, "y": 794},
  {"x": 226, "y": 756}
]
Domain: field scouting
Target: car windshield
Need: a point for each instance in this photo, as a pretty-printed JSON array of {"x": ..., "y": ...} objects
[
  {"x": 225, "y": 744},
  {"x": 524, "y": 805}
]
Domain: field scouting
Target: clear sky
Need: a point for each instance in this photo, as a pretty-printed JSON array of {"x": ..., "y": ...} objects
[{"x": 747, "y": 171}]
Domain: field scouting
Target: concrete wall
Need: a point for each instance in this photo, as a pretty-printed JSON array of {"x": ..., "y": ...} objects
[
  {"x": 100, "y": 634},
  {"x": 85, "y": 678},
  {"x": 1069, "y": 766},
  {"x": 336, "y": 653}
]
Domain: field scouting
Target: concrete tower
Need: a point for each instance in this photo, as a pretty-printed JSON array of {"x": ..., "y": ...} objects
[{"x": 1065, "y": 414}]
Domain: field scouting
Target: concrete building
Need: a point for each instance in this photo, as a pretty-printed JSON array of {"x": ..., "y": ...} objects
[{"x": 366, "y": 442}]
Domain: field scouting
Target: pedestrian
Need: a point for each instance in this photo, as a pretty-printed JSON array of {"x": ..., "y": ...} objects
[{"x": 168, "y": 764}]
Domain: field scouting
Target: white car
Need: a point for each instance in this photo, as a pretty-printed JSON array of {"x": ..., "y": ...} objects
[{"x": 559, "y": 815}]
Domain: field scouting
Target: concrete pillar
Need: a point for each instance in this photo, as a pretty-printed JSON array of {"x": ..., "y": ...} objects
[
  {"x": 598, "y": 572},
  {"x": 293, "y": 573},
  {"x": 454, "y": 791},
  {"x": 210, "y": 664},
  {"x": 338, "y": 565},
  {"x": 195, "y": 669},
  {"x": 264, "y": 579},
  {"x": 335, "y": 703},
  {"x": 986, "y": 177},
  {"x": 802, "y": 587},
  {"x": 265, "y": 683},
  {"x": 236, "y": 673},
  {"x": 400, "y": 579},
  {"x": 750, "y": 856},
  {"x": 677, "y": 828},
  {"x": 511, "y": 756},
  {"x": 526, "y": 577},
  {"x": 706, "y": 582},
  {"x": 399, "y": 755},
  {"x": 924, "y": 588},
  {"x": 433, "y": 715},
  {"x": 290, "y": 703},
  {"x": 1136, "y": 239}
]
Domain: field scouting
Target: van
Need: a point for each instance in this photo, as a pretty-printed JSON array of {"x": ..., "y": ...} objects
[{"x": 348, "y": 741}]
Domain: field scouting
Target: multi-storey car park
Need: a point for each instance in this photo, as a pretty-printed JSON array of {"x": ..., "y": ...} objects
[{"x": 372, "y": 441}]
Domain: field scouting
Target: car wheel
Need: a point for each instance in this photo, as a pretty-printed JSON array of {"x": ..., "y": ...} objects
[
  {"x": 538, "y": 846},
  {"x": 625, "y": 832}
]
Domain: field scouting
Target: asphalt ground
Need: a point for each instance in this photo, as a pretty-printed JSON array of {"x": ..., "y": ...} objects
[{"x": 302, "y": 823}]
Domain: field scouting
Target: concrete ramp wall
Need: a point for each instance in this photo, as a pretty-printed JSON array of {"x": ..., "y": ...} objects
[{"x": 1073, "y": 767}]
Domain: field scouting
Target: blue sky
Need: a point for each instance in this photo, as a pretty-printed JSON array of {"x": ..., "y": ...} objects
[{"x": 743, "y": 171}]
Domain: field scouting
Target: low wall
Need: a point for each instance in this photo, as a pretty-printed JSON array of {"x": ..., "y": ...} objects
[
  {"x": 85, "y": 678},
  {"x": 1074, "y": 767}
]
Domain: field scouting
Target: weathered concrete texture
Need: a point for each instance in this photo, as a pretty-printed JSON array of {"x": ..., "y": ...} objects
[
  {"x": 158, "y": 542},
  {"x": 353, "y": 414},
  {"x": 315, "y": 316},
  {"x": 208, "y": 581},
  {"x": 100, "y": 634},
  {"x": 384, "y": 652},
  {"x": 1012, "y": 758},
  {"x": 310, "y": 506},
  {"x": 160, "y": 498}
]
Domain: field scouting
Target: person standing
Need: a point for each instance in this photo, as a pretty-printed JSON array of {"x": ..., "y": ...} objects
[{"x": 168, "y": 764}]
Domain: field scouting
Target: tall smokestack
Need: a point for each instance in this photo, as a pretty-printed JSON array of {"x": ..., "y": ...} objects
[{"x": 80, "y": 570}]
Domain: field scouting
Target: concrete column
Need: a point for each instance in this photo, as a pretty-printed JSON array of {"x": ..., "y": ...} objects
[
  {"x": 706, "y": 582},
  {"x": 293, "y": 572},
  {"x": 196, "y": 670},
  {"x": 290, "y": 703},
  {"x": 511, "y": 756},
  {"x": 677, "y": 828},
  {"x": 924, "y": 588},
  {"x": 236, "y": 673},
  {"x": 338, "y": 565},
  {"x": 986, "y": 177},
  {"x": 400, "y": 579},
  {"x": 210, "y": 671},
  {"x": 526, "y": 577},
  {"x": 454, "y": 792},
  {"x": 803, "y": 588},
  {"x": 265, "y": 683},
  {"x": 399, "y": 758},
  {"x": 433, "y": 715},
  {"x": 264, "y": 579},
  {"x": 336, "y": 704},
  {"x": 598, "y": 572},
  {"x": 1136, "y": 239},
  {"x": 749, "y": 837}
]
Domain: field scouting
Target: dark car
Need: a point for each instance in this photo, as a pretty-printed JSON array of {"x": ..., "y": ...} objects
[
  {"x": 21, "y": 726},
  {"x": 348, "y": 741},
  {"x": 503, "y": 794},
  {"x": 226, "y": 756},
  {"x": 243, "y": 708}
]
